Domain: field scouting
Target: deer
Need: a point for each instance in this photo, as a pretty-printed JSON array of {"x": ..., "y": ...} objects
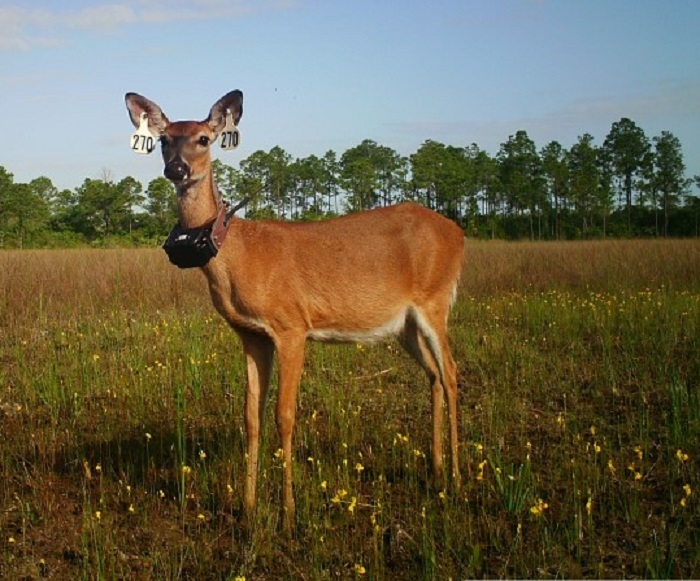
[{"x": 369, "y": 276}]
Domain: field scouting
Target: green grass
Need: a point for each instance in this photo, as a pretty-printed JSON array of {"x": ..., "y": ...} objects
[{"x": 122, "y": 451}]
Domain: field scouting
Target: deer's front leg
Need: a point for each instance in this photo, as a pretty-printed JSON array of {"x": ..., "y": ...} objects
[
  {"x": 290, "y": 353},
  {"x": 259, "y": 351}
]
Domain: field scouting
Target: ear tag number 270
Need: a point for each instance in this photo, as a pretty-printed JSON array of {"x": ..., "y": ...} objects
[
  {"x": 142, "y": 141},
  {"x": 230, "y": 136}
]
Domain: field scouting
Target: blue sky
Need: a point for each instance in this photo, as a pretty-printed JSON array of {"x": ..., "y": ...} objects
[{"x": 326, "y": 74}]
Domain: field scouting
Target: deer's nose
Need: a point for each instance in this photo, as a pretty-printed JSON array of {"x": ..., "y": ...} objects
[{"x": 176, "y": 171}]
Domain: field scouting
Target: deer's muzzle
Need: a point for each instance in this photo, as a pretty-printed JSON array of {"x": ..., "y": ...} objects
[{"x": 177, "y": 171}]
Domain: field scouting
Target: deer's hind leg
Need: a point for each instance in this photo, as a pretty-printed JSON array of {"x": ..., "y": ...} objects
[{"x": 425, "y": 338}]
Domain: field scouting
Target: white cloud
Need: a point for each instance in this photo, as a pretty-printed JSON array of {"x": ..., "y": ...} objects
[
  {"x": 674, "y": 100},
  {"x": 105, "y": 16},
  {"x": 15, "y": 26},
  {"x": 24, "y": 29},
  {"x": 670, "y": 107}
]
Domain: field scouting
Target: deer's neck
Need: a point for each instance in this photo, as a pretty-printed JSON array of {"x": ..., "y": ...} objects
[{"x": 198, "y": 203}]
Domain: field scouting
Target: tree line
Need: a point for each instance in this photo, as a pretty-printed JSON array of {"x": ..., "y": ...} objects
[{"x": 628, "y": 186}]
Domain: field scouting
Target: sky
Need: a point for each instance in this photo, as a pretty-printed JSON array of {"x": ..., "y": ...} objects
[{"x": 321, "y": 75}]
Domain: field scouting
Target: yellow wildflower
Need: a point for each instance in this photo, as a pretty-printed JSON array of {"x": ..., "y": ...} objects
[
  {"x": 480, "y": 473},
  {"x": 681, "y": 455},
  {"x": 359, "y": 569},
  {"x": 400, "y": 438},
  {"x": 539, "y": 507},
  {"x": 339, "y": 496}
]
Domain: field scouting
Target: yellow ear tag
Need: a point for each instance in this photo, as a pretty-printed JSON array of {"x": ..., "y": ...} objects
[
  {"x": 142, "y": 141},
  {"x": 230, "y": 137}
]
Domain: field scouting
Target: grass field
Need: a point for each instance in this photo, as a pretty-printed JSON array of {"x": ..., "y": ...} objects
[{"x": 122, "y": 448}]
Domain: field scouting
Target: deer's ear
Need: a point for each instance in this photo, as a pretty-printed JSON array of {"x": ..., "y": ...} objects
[
  {"x": 137, "y": 105},
  {"x": 233, "y": 102}
]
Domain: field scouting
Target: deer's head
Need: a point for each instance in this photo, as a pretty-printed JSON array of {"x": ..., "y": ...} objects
[{"x": 185, "y": 144}]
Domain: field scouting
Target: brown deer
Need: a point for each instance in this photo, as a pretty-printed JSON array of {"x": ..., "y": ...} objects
[{"x": 362, "y": 277}]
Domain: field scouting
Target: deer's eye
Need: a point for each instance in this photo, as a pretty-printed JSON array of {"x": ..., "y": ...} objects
[{"x": 204, "y": 140}]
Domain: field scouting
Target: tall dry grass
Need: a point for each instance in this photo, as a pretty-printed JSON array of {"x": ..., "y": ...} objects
[
  {"x": 496, "y": 267},
  {"x": 65, "y": 284},
  {"x": 68, "y": 283}
]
